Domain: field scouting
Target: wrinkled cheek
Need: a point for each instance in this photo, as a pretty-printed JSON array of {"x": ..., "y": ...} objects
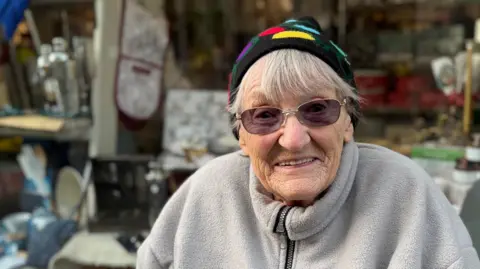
[
  {"x": 332, "y": 165},
  {"x": 262, "y": 168},
  {"x": 260, "y": 149},
  {"x": 262, "y": 171}
]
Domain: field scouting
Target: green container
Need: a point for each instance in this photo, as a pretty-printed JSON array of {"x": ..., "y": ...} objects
[{"x": 438, "y": 153}]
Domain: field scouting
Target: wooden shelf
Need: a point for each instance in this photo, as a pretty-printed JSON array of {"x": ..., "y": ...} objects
[{"x": 73, "y": 130}]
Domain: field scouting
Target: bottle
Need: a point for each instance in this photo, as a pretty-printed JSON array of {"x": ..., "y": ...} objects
[
  {"x": 41, "y": 74},
  {"x": 82, "y": 74},
  {"x": 157, "y": 181},
  {"x": 49, "y": 84},
  {"x": 64, "y": 72},
  {"x": 43, "y": 65}
]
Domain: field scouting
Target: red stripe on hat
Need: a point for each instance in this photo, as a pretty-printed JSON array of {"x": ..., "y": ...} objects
[{"x": 272, "y": 31}]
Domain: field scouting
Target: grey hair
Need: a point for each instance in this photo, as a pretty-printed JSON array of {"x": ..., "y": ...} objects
[{"x": 289, "y": 69}]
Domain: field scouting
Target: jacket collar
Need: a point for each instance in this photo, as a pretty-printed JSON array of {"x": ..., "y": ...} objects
[{"x": 303, "y": 222}]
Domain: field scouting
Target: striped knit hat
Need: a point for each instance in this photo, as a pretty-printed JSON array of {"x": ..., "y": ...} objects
[{"x": 302, "y": 34}]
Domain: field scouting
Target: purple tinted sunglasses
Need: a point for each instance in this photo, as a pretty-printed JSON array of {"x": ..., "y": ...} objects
[{"x": 315, "y": 113}]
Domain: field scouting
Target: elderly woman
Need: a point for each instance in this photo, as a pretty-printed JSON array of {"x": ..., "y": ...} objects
[{"x": 302, "y": 193}]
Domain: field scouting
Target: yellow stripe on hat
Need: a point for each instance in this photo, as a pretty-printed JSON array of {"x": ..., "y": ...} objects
[{"x": 293, "y": 34}]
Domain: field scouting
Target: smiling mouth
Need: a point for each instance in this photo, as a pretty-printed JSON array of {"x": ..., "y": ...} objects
[{"x": 296, "y": 163}]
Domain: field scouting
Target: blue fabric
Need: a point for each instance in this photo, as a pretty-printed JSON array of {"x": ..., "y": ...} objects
[
  {"x": 11, "y": 14},
  {"x": 47, "y": 236}
]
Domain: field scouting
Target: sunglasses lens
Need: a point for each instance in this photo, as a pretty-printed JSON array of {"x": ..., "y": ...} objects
[
  {"x": 320, "y": 112},
  {"x": 265, "y": 120},
  {"x": 262, "y": 120}
]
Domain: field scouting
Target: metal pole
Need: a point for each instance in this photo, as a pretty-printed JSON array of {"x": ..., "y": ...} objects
[
  {"x": 467, "y": 106},
  {"x": 32, "y": 27},
  {"x": 103, "y": 137}
]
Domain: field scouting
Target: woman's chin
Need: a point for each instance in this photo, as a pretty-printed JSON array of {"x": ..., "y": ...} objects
[
  {"x": 300, "y": 203},
  {"x": 299, "y": 197}
]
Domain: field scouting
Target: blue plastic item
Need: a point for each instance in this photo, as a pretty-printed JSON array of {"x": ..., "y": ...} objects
[{"x": 11, "y": 14}]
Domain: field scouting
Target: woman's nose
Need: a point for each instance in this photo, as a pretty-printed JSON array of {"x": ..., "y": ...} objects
[{"x": 294, "y": 135}]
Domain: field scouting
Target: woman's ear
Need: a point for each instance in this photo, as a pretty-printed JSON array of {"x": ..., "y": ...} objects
[
  {"x": 241, "y": 142},
  {"x": 348, "y": 132}
]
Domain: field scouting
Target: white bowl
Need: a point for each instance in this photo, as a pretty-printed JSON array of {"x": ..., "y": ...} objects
[
  {"x": 465, "y": 177},
  {"x": 472, "y": 154}
]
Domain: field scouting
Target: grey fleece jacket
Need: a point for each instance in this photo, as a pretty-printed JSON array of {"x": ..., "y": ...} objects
[{"x": 382, "y": 211}]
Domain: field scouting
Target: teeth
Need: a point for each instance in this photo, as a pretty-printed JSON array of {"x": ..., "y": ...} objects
[{"x": 298, "y": 162}]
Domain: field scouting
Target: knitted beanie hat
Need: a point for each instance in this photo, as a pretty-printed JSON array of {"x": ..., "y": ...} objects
[{"x": 302, "y": 34}]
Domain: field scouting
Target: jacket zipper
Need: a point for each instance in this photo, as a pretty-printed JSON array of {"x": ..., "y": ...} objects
[{"x": 280, "y": 227}]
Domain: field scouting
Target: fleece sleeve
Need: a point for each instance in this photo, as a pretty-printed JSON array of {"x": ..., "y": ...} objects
[
  {"x": 146, "y": 258},
  {"x": 468, "y": 260},
  {"x": 157, "y": 251}
]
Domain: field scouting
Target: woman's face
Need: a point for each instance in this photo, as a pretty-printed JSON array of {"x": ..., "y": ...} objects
[{"x": 294, "y": 184}]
